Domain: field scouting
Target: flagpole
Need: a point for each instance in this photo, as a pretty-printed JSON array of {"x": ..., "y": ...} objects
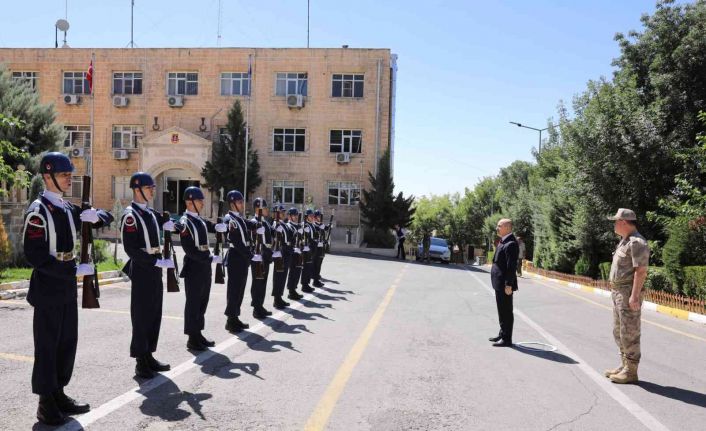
[
  {"x": 93, "y": 135},
  {"x": 247, "y": 127}
]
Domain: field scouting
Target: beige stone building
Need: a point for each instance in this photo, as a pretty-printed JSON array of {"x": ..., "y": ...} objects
[{"x": 319, "y": 118}]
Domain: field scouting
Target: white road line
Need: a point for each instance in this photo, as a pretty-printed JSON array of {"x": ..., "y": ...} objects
[
  {"x": 80, "y": 422},
  {"x": 610, "y": 388}
]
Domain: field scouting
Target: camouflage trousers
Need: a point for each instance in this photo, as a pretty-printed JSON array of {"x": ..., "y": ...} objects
[{"x": 626, "y": 323}]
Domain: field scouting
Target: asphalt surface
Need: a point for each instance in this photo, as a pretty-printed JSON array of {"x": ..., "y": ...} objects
[{"x": 387, "y": 345}]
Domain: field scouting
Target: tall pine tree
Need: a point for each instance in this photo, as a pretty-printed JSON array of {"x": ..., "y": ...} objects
[
  {"x": 226, "y": 169},
  {"x": 380, "y": 209}
]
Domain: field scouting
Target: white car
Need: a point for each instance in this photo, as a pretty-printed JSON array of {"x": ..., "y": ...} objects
[{"x": 438, "y": 250}]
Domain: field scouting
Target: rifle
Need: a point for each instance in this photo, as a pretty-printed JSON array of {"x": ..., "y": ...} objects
[
  {"x": 220, "y": 273},
  {"x": 168, "y": 252},
  {"x": 91, "y": 291},
  {"x": 277, "y": 246},
  {"x": 259, "y": 269},
  {"x": 327, "y": 243}
]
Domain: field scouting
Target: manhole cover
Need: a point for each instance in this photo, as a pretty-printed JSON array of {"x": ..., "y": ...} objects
[{"x": 536, "y": 346}]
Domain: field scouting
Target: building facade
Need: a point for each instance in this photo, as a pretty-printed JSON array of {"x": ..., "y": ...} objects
[{"x": 318, "y": 118}]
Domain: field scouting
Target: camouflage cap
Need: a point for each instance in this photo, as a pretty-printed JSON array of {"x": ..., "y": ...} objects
[{"x": 623, "y": 214}]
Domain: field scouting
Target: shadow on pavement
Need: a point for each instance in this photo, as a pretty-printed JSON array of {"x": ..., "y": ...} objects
[
  {"x": 679, "y": 394},
  {"x": 327, "y": 280},
  {"x": 326, "y": 297},
  {"x": 285, "y": 328},
  {"x": 303, "y": 315},
  {"x": 165, "y": 400},
  {"x": 544, "y": 354},
  {"x": 221, "y": 366},
  {"x": 312, "y": 304},
  {"x": 259, "y": 343},
  {"x": 336, "y": 291}
]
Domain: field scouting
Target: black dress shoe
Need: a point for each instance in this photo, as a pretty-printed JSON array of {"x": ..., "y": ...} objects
[
  {"x": 261, "y": 313},
  {"x": 48, "y": 411},
  {"x": 195, "y": 343},
  {"x": 143, "y": 369},
  {"x": 280, "y": 304},
  {"x": 156, "y": 365},
  {"x": 307, "y": 289},
  {"x": 69, "y": 405},
  {"x": 503, "y": 343},
  {"x": 232, "y": 325},
  {"x": 318, "y": 284},
  {"x": 294, "y": 295},
  {"x": 206, "y": 342},
  {"x": 241, "y": 324},
  {"x": 495, "y": 339}
]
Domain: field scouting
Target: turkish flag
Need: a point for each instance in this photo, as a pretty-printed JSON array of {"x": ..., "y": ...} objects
[{"x": 89, "y": 77}]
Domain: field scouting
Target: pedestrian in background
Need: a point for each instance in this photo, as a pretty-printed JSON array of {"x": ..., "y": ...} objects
[
  {"x": 400, "y": 234},
  {"x": 521, "y": 255},
  {"x": 426, "y": 244}
]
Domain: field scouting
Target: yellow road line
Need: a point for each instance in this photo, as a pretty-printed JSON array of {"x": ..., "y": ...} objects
[
  {"x": 14, "y": 357},
  {"x": 319, "y": 418},
  {"x": 102, "y": 310},
  {"x": 659, "y": 325}
]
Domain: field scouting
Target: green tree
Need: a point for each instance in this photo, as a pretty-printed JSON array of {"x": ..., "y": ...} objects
[
  {"x": 226, "y": 169},
  {"x": 378, "y": 204}
]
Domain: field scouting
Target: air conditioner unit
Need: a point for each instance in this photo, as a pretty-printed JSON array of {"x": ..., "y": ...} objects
[
  {"x": 295, "y": 101},
  {"x": 343, "y": 158},
  {"x": 120, "y": 154},
  {"x": 77, "y": 152},
  {"x": 71, "y": 99},
  {"x": 120, "y": 101},
  {"x": 175, "y": 101}
]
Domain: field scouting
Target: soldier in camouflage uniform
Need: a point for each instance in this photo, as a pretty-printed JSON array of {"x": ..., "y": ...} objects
[{"x": 627, "y": 276}]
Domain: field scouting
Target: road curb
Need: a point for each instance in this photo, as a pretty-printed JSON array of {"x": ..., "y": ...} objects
[
  {"x": 18, "y": 289},
  {"x": 647, "y": 305}
]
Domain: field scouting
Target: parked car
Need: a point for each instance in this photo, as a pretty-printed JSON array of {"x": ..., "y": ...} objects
[{"x": 438, "y": 250}]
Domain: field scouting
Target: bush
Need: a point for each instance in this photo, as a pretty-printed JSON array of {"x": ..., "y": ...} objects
[
  {"x": 582, "y": 266},
  {"x": 695, "y": 281},
  {"x": 657, "y": 279},
  {"x": 604, "y": 267},
  {"x": 685, "y": 247},
  {"x": 491, "y": 255},
  {"x": 5, "y": 247},
  {"x": 379, "y": 238},
  {"x": 655, "y": 253},
  {"x": 102, "y": 250}
]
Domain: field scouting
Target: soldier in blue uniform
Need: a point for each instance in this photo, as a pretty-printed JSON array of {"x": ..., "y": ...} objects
[
  {"x": 258, "y": 286},
  {"x": 196, "y": 271},
  {"x": 237, "y": 260},
  {"x": 286, "y": 237},
  {"x": 295, "y": 270},
  {"x": 320, "y": 231},
  {"x": 310, "y": 247},
  {"x": 140, "y": 226},
  {"x": 49, "y": 238}
]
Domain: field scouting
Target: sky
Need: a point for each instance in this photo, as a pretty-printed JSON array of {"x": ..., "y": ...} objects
[{"x": 466, "y": 68}]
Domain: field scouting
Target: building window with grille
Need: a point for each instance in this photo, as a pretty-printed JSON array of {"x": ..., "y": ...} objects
[
  {"x": 120, "y": 188},
  {"x": 291, "y": 83},
  {"x": 76, "y": 187},
  {"x": 29, "y": 78},
  {"x": 127, "y": 137},
  {"x": 78, "y": 136},
  {"x": 343, "y": 193},
  {"x": 235, "y": 84},
  {"x": 288, "y": 192},
  {"x": 76, "y": 83},
  {"x": 182, "y": 83},
  {"x": 289, "y": 140},
  {"x": 127, "y": 83},
  {"x": 348, "y": 85},
  {"x": 345, "y": 141}
]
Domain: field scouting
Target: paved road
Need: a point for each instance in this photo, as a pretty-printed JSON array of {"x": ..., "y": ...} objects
[{"x": 387, "y": 345}]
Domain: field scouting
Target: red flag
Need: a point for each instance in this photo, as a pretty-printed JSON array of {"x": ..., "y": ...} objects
[{"x": 89, "y": 77}]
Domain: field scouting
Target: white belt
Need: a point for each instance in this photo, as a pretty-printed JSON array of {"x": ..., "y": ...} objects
[
  {"x": 203, "y": 247},
  {"x": 153, "y": 250},
  {"x": 65, "y": 256}
]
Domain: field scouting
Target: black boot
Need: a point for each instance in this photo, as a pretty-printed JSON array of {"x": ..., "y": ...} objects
[
  {"x": 261, "y": 313},
  {"x": 280, "y": 303},
  {"x": 294, "y": 295},
  {"x": 232, "y": 325},
  {"x": 307, "y": 289},
  {"x": 48, "y": 411},
  {"x": 69, "y": 405},
  {"x": 206, "y": 342},
  {"x": 156, "y": 365},
  {"x": 142, "y": 368},
  {"x": 195, "y": 343},
  {"x": 318, "y": 283}
]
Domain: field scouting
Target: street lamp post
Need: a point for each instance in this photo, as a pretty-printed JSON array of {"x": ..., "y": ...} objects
[{"x": 532, "y": 128}]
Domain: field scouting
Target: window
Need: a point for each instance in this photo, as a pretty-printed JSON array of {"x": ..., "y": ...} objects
[
  {"x": 235, "y": 84},
  {"x": 182, "y": 83},
  {"x": 127, "y": 137},
  {"x": 29, "y": 78},
  {"x": 343, "y": 193},
  {"x": 76, "y": 187},
  {"x": 348, "y": 85},
  {"x": 121, "y": 188},
  {"x": 223, "y": 135},
  {"x": 289, "y": 139},
  {"x": 288, "y": 192},
  {"x": 345, "y": 141},
  {"x": 291, "y": 83},
  {"x": 127, "y": 82},
  {"x": 78, "y": 136},
  {"x": 76, "y": 83}
]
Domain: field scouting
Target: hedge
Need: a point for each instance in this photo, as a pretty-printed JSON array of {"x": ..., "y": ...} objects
[
  {"x": 604, "y": 267},
  {"x": 694, "y": 282}
]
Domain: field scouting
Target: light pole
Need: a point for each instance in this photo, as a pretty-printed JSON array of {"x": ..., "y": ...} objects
[{"x": 533, "y": 128}]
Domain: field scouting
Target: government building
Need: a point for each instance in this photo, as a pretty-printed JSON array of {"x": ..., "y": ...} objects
[{"x": 318, "y": 118}]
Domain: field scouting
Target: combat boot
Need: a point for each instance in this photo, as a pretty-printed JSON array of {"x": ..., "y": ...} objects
[
  {"x": 627, "y": 375},
  {"x": 617, "y": 369}
]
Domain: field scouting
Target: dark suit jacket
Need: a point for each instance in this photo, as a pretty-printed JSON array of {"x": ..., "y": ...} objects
[{"x": 504, "y": 268}]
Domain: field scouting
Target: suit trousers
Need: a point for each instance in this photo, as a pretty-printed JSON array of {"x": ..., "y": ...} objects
[
  {"x": 505, "y": 314},
  {"x": 55, "y": 338}
]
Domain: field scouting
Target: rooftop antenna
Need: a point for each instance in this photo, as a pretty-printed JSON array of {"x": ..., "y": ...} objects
[
  {"x": 132, "y": 24},
  {"x": 61, "y": 25},
  {"x": 220, "y": 13}
]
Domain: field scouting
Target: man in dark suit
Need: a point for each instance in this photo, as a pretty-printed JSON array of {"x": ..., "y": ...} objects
[{"x": 504, "y": 278}]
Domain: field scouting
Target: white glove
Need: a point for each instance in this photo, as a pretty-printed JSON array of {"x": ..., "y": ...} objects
[
  {"x": 280, "y": 229},
  {"x": 221, "y": 228},
  {"x": 276, "y": 254},
  {"x": 300, "y": 231},
  {"x": 257, "y": 258},
  {"x": 261, "y": 231},
  {"x": 297, "y": 250},
  {"x": 90, "y": 216},
  {"x": 321, "y": 244},
  {"x": 306, "y": 248},
  {"x": 85, "y": 269},
  {"x": 164, "y": 263},
  {"x": 216, "y": 259},
  {"x": 168, "y": 226},
  {"x": 307, "y": 230}
]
